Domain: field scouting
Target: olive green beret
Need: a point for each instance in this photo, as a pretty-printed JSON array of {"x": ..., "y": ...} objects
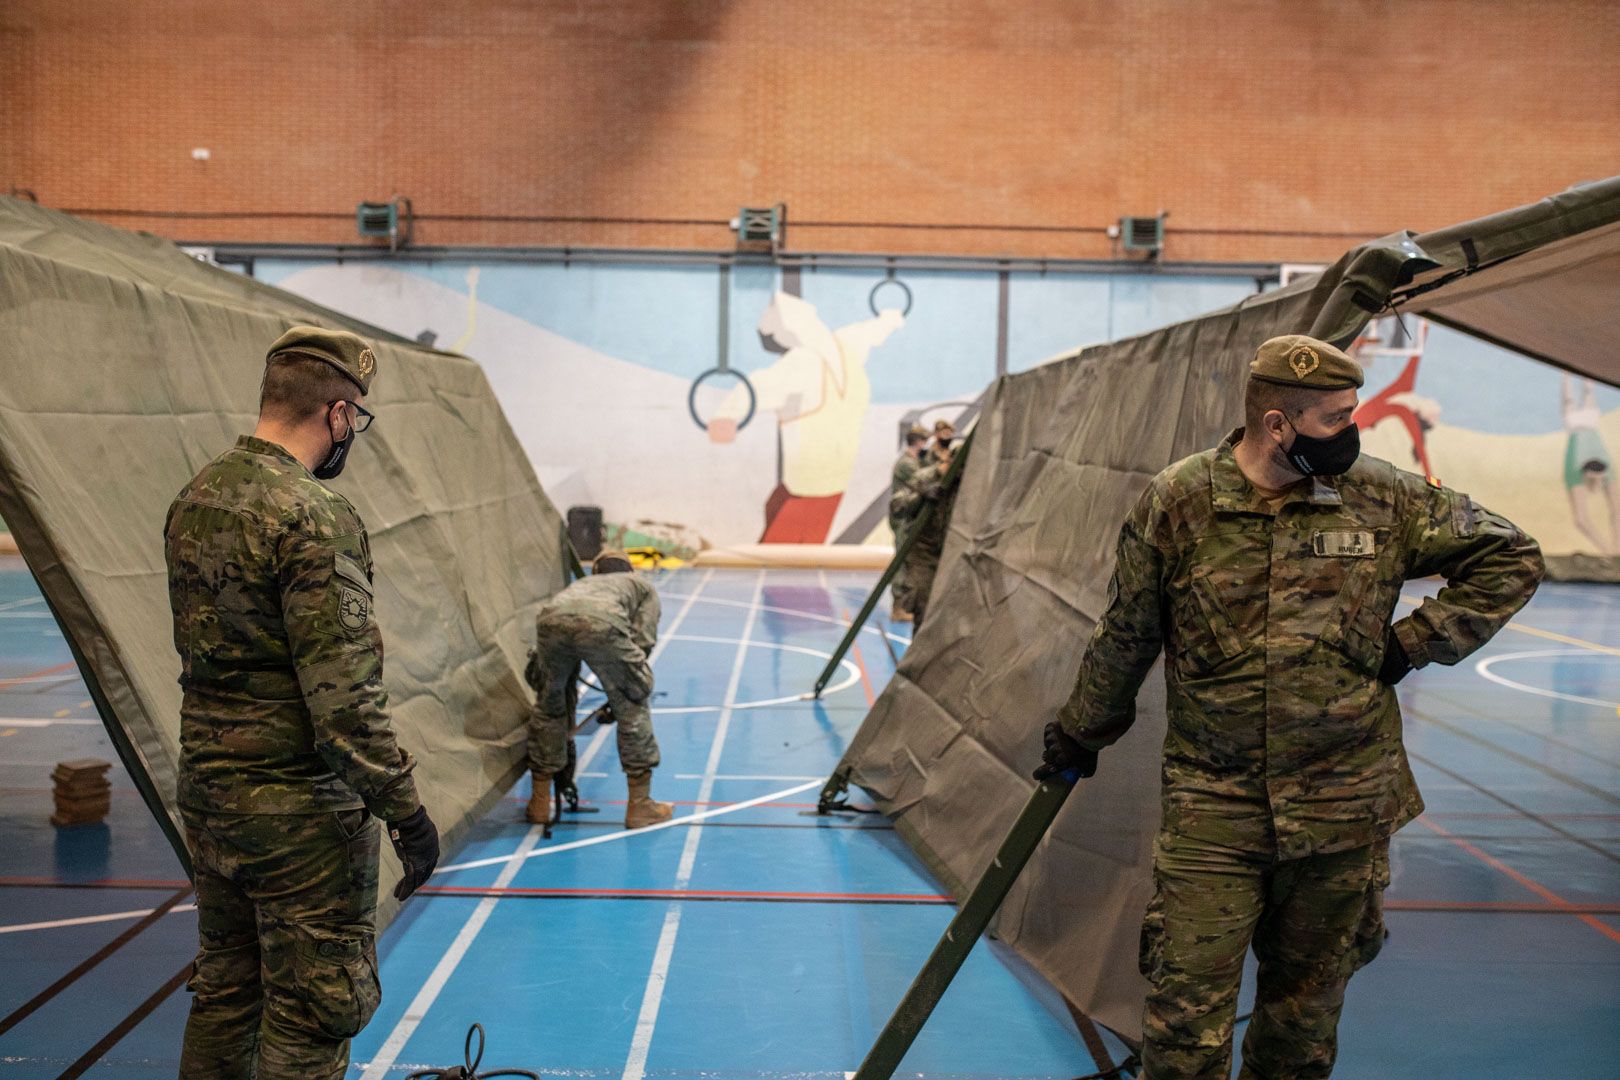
[
  {"x": 1297, "y": 360},
  {"x": 347, "y": 352}
]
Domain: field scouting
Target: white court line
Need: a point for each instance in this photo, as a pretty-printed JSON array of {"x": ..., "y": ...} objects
[
  {"x": 26, "y": 615},
  {"x": 389, "y": 1052},
  {"x": 1484, "y": 668},
  {"x": 804, "y": 615},
  {"x": 729, "y": 776},
  {"x": 26, "y": 601},
  {"x": 429, "y": 993},
  {"x": 86, "y": 920},
  {"x": 35, "y": 721},
  {"x": 608, "y": 838},
  {"x": 635, "y": 1066},
  {"x": 852, "y": 676}
]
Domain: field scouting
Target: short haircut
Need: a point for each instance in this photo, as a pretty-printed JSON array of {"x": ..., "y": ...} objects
[
  {"x": 916, "y": 438},
  {"x": 297, "y": 387},
  {"x": 1261, "y": 396}
]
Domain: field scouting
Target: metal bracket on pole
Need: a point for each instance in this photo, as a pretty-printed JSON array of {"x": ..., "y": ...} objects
[
  {"x": 924, "y": 516},
  {"x": 971, "y": 920},
  {"x": 833, "y": 791}
]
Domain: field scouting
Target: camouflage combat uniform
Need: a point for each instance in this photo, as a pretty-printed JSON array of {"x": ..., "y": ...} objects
[
  {"x": 1284, "y": 772},
  {"x": 608, "y": 622},
  {"x": 286, "y": 755},
  {"x": 902, "y": 507},
  {"x": 922, "y": 561}
]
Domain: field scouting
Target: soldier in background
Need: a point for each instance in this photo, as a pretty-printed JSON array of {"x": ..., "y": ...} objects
[
  {"x": 286, "y": 751},
  {"x": 905, "y": 472},
  {"x": 1268, "y": 570},
  {"x": 944, "y": 434},
  {"x": 928, "y": 487},
  {"x": 608, "y": 621}
]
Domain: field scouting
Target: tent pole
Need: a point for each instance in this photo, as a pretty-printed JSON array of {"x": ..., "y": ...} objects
[
  {"x": 872, "y": 598},
  {"x": 969, "y": 924},
  {"x": 924, "y": 516}
]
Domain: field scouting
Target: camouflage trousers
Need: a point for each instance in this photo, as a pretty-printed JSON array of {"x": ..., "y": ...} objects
[
  {"x": 619, "y": 664},
  {"x": 919, "y": 570},
  {"x": 1313, "y": 922},
  {"x": 899, "y": 590},
  {"x": 286, "y": 969}
]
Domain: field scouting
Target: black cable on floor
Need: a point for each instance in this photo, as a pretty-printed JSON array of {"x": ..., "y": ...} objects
[{"x": 469, "y": 1070}]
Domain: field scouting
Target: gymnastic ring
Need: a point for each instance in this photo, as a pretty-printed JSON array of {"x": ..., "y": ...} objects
[
  {"x": 691, "y": 397},
  {"x": 871, "y": 298}
]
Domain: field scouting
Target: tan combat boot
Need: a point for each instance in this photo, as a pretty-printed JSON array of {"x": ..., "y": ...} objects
[
  {"x": 642, "y": 809},
  {"x": 539, "y": 811}
]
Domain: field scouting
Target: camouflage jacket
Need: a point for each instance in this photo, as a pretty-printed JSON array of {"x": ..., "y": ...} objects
[
  {"x": 622, "y": 601},
  {"x": 929, "y": 486},
  {"x": 284, "y": 710},
  {"x": 901, "y": 509},
  {"x": 1281, "y": 739}
]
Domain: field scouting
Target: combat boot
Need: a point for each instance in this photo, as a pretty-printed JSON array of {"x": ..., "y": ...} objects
[
  {"x": 539, "y": 811},
  {"x": 642, "y": 809}
]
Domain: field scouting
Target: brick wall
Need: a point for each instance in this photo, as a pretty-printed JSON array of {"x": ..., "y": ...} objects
[{"x": 1270, "y": 129}]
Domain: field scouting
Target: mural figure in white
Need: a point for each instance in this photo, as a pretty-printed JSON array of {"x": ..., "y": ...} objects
[
  {"x": 820, "y": 393},
  {"x": 1588, "y": 469}
]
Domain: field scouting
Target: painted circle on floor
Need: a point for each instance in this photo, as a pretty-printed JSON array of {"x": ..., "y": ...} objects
[
  {"x": 851, "y": 677},
  {"x": 1484, "y": 668}
]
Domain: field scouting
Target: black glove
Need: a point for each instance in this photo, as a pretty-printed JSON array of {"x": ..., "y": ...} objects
[
  {"x": 1063, "y": 754},
  {"x": 603, "y": 715},
  {"x": 1396, "y": 665},
  {"x": 416, "y": 842}
]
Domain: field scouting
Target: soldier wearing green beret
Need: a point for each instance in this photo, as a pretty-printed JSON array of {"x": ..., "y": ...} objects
[
  {"x": 1268, "y": 571},
  {"x": 902, "y": 510},
  {"x": 287, "y": 756}
]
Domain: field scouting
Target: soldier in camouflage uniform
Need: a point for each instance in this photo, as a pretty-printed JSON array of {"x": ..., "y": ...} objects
[
  {"x": 286, "y": 752},
  {"x": 901, "y": 505},
  {"x": 1268, "y": 571},
  {"x": 608, "y": 621},
  {"x": 928, "y": 487}
]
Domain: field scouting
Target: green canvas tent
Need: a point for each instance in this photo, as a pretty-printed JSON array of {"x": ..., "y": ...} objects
[
  {"x": 125, "y": 365},
  {"x": 1059, "y": 456}
]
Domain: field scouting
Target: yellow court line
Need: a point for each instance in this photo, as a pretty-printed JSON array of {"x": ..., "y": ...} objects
[
  {"x": 1536, "y": 631},
  {"x": 8, "y": 731}
]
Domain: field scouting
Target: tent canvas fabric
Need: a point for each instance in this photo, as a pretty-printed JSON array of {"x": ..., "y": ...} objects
[
  {"x": 1060, "y": 455},
  {"x": 126, "y": 365}
]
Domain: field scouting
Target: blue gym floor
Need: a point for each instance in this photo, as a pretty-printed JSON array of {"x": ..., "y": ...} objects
[{"x": 759, "y": 940}]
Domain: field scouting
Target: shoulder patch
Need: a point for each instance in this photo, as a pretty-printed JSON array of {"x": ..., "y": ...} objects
[
  {"x": 354, "y": 609},
  {"x": 1433, "y": 481}
]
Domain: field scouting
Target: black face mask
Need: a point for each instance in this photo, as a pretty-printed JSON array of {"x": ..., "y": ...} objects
[
  {"x": 1324, "y": 457},
  {"x": 335, "y": 461}
]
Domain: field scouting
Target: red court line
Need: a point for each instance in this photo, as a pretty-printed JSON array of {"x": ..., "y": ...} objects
[
  {"x": 16, "y": 680},
  {"x": 860, "y": 664},
  {"x": 1501, "y": 906},
  {"x": 1504, "y": 815},
  {"x": 1534, "y": 886},
  {"x": 98, "y": 883},
  {"x": 690, "y": 894}
]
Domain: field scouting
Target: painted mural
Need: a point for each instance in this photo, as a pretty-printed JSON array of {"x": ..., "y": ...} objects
[
  {"x": 699, "y": 407},
  {"x": 1521, "y": 438}
]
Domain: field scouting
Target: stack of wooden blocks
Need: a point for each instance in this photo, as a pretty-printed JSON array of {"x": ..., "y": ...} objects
[{"x": 83, "y": 795}]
